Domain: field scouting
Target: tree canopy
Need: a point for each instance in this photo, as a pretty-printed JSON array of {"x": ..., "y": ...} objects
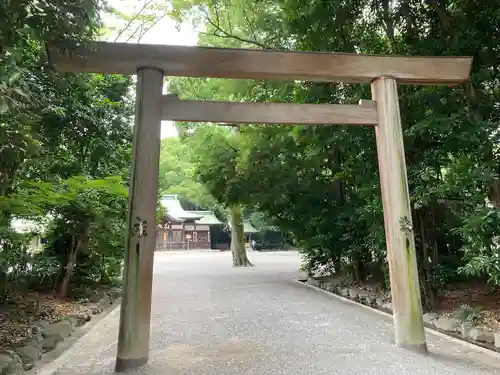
[
  {"x": 65, "y": 151},
  {"x": 322, "y": 183}
]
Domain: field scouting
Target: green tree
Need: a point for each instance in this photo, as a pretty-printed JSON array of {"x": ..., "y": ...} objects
[
  {"x": 55, "y": 128},
  {"x": 325, "y": 190},
  {"x": 217, "y": 159}
]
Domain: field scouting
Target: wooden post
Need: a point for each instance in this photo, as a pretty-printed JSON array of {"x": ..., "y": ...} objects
[
  {"x": 135, "y": 316},
  {"x": 406, "y": 304}
]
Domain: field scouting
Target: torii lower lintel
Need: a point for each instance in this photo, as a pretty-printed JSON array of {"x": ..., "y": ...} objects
[{"x": 175, "y": 109}]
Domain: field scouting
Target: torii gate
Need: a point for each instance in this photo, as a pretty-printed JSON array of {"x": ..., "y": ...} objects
[{"x": 152, "y": 62}]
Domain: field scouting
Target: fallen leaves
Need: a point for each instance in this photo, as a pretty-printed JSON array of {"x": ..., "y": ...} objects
[{"x": 17, "y": 317}]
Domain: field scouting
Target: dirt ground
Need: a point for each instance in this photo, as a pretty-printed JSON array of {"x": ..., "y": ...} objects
[{"x": 23, "y": 310}]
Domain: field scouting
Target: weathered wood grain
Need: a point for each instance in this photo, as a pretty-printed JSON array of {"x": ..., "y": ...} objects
[
  {"x": 406, "y": 305},
  {"x": 267, "y": 113},
  {"x": 125, "y": 58}
]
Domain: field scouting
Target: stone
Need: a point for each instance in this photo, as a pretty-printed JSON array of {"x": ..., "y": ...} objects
[
  {"x": 37, "y": 334},
  {"x": 313, "y": 282},
  {"x": 369, "y": 300},
  {"x": 331, "y": 286},
  {"x": 61, "y": 330},
  {"x": 353, "y": 293},
  {"x": 362, "y": 295},
  {"x": 379, "y": 302},
  {"x": 116, "y": 292},
  {"x": 448, "y": 324},
  {"x": 94, "y": 298},
  {"x": 104, "y": 304},
  {"x": 303, "y": 276},
  {"x": 80, "y": 318},
  {"x": 72, "y": 320},
  {"x": 95, "y": 309},
  {"x": 430, "y": 318},
  {"x": 344, "y": 292},
  {"x": 50, "y": 343},
  {"x": 10, "y": 363},
  {"x": 465, "y": 328},
  {"x": 29, "y": 354},
  {"x": 387, "y": 306},
  {"x": 497, "y": 339},
  {"x": 481, "y": 334}
]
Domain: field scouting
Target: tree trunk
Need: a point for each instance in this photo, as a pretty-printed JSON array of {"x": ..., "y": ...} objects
[
  {"x": 494, "y": 193},
  {"x": 357, "y": 267},
  {"x": 427, "y": 287},
  {"x": 70, "y": 265},
  {"x": 240, "y": 258}
]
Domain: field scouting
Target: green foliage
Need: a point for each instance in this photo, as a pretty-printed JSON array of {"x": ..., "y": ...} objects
[
  {"x": 178, "y": 173},
  {"x": 47, "y": 20},
  {"x": 467, "y": 313},
  {"x": 481, "y": 247},
  {"x": 321, "y": 183},
  {"x": 62, "y": 138}
]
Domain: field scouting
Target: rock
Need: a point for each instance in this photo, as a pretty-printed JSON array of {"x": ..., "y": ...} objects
[
  {"x": 107, "y": 297},
  {"x": 465, "y": 328},
  {"x": 10, "y": 363},
  {"x": 95, "y": 309},
  {"x": 387, "y": 306},
  {"x": 117, "y": 292},
  {"x": 369, "y": 300},
  {"x": 80, "y": 318},
  {"x": 50, "y": 343},
  {"x": 331, "y": 286},
  {"x": 448, "y": 324},
  {"x": 37, "y": 334},
  {"x": 72, "y": 320},
  {"x": 430, "y": 318},
  {"x": 94, "y": 298},
  {"x": 497, "y": 339},
  {"x": 362, "y": 295},
  {"x": 61, "y": 329},
  {"x": 481, "y": 334},
  {"x": 313, "y": 282},
  {"x": 379, "y": 302},
  {"x": 344, "y": 292},
  {"x": 29, "y": 354},
  {"x": 353, "y": 293},
  {"x": 303, "y": 276}
]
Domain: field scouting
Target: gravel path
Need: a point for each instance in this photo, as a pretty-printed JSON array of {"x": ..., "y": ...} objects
[{"x": 212, "y": 319}]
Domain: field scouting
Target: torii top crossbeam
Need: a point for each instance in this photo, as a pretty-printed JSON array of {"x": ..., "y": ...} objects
[{"x": 125, "y": 58}]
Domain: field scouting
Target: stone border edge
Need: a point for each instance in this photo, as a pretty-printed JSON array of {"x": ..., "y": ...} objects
[
  {"x": 432, "y": 331},
  {"x": 54, "y": 357}
]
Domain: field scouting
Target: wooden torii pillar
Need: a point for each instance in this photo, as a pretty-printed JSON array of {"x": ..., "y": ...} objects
[{"x": 152, "y": 62}]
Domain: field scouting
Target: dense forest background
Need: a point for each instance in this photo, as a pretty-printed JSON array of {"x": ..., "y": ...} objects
[{"x": 66, "y": 141}]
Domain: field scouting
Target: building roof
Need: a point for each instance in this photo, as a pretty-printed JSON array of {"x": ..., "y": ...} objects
[
  {"x": 174, "y": 209},
  {"x": 247, "y": 227},
  {"x": 208, "y": 218}
]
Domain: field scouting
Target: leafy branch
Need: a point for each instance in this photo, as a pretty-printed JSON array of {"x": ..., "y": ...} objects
[{"x": 219, "y": 32}]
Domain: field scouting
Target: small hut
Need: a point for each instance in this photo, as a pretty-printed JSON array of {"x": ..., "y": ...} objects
[{"x": 181, "y": 229}]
